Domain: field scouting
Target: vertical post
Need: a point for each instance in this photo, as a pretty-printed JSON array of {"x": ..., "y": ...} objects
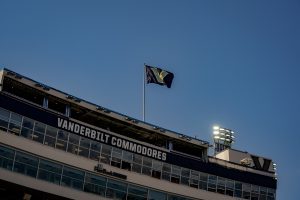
[{"x": 144, "y": 79}]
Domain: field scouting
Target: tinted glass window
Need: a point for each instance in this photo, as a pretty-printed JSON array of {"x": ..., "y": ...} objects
[
  {"x": 26, "y": 159},
  {"x": 50, "y": 166},
  {"x": 6, "y": 153},
  {"x": 137, "y": 190},
  {"x": 154, "y": 195},
  {"x": 4, "y": 114},
  {"x": 28, "y": 123}
]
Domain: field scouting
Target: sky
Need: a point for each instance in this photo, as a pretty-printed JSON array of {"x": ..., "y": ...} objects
[{"x": 236, "y": 64}]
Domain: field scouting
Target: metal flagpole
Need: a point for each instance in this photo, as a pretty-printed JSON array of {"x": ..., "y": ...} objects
[{"x": 144, "y": 79}]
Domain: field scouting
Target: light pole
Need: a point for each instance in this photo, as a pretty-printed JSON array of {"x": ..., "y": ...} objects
[{"x": 223, "y": 138}]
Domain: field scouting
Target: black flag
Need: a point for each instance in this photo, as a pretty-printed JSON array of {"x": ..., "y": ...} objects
[{"x": 159, "y": 76}]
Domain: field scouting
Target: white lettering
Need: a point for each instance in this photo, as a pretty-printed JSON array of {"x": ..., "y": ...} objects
[
  {"x": 154, "y": 153},
  {"x": 149, "y": 152},
  {"x": 65, "y": 125},
  {"x": 76, "y": 128},
  {"x": 71, "y": 126},
  {"x": 144, "y": 150},
  {"x": 119, "y": 142},
  {"x": 98, "y": 136},
  {"x": 139, "y": 149},
  {"x": 159, "y": 155},
  {"x": 105, "y": 138},
  {"x": 82, "y": 129},
  {"x": 113, "y": 141},
  {"x": 87, "y": 132},
  {"x": 132, "y": 147},
  {"x": 125, "y": 144},
  {"x": 93, "y": 134},
  {"x": 164, "y": 156},
  {"x": 60, "y": 121}
]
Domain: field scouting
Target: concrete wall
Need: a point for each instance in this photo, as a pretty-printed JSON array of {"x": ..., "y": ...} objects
[{"x": 88, "y": 164}]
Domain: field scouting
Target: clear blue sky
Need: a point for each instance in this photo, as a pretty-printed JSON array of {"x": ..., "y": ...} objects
[{"x": 236, "y": 64}]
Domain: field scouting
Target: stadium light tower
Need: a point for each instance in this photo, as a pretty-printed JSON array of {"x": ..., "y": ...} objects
[{"x": 223, "y": 138}]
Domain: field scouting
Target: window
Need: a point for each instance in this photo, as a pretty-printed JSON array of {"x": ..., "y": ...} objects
[
  {"x": 166, "y": 171},
  {"x": 238, "y": 189},
  {"x": 263, "y": 193},
  {"x": 171, "y": 197},
  {"x": 4, "y": 118},
  {"x": 116, "y": 190},
  {"x": 15, "y": 123},
  {"x": 221, "y": 185},
  {"x": 116, "y": 157},
  {"x": 50, "y": 171},
  {"x": 26, "y": 164},
  {"x": 62, "y": 138},
  {"x": 95, "y": 184},
  {"x": 254, "y": 192},
  {"x": 84, "y": 147},
  {"x": 203, "y": 181},
  {"x": 246, "y": 191},
  {"x": 212, "y": 180},
  {"x": 147, "y": 165},
  {"x": 6, "y": 158},
  {"x": 127, "y": 156},
  {"x": 154, "y": 195},
  {"x": 95, "y": 146},
  {"x": 126, "y": 160},
  {"x": 56, "y": 104},
  {"x": 72, "y": 178},
  {"x": 39, "y": 131},
  {"x": 13, "y": 87},
  {"x": 194, "y": 179},
  {"x": 175, "y": 175},
  {"x": 137, "y": 163},
  {"x": 51, "y": 131},
  {"x": 271, "y": 194},
  {"x": 106, "y": 153},
  {"x": 185, "y": 176},
  {"x": 229, "y": 187},
  {"x": 27, "y": 133},
  {"x": 74, "y": 139},
  {"x": 27, "y": 128},
  {"x": 156, "y": 169},
  {"x": 50, "y": 137},
  {"x": 136, "y": 193}
]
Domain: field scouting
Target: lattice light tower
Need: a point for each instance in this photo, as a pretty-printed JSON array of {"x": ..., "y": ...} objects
[{"x": 223, "y": 138}]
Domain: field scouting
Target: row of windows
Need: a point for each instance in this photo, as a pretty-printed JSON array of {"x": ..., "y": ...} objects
[
  {"x": 92, "y": 117},
  {"x": 25, "y": 127},
  {"x": 63, "y": 175}
]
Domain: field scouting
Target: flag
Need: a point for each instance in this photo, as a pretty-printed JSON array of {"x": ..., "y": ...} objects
[{"x": 159, "y": 76}]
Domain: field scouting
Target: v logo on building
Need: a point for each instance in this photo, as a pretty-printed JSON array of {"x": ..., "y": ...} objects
[{"x": 257, "y": 164}]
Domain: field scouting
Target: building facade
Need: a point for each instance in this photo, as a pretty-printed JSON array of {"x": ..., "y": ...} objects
[{"x": 57, "y": 146}]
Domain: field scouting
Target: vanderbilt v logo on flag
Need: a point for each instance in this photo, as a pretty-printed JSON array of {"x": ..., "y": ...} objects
[{"x": 159, "y": 76}]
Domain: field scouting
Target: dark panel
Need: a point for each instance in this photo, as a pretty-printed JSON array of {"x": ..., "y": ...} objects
[{"x": 49, "y": 118}]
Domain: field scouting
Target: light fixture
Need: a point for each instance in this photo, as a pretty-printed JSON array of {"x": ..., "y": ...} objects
[
  {"x": 223, "y": 138},
  {"x": 99, "y": 108},
  {"x": 70, "y": 97},
  {"x": 77, "y": 100},
  {"x": 106, "y": 111},
  {"x": 46, "y": 88},
  {"x": 216, "y": 132},
  {"x": 11, "y": 73},
  {"x": 38, "y": 85},
  {"x": 18, "y": 76}
]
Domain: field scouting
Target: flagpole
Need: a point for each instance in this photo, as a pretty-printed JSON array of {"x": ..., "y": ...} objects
[{"x": 144, "y": 91}]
